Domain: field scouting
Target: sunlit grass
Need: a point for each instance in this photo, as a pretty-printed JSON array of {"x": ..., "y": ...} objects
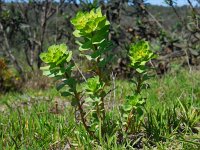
[{"x": 33, "y": 120}]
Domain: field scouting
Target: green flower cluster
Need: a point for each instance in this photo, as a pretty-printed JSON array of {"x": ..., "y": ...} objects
[
  {"x": 93, "y": 85},
  {"x": 140, "y": 53},
  {"x": 88, "y": 22},
  {"x": 56, "y": 54}
]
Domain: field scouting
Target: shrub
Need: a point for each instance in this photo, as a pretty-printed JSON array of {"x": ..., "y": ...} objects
[{"x": 8, "y": 79}]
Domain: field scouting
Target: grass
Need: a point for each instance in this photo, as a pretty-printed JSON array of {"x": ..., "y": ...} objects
[{"x": 38, "y": 119}]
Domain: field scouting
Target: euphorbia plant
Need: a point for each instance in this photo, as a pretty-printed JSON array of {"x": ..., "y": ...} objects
[
  {"x": 60, "y": 66},
  {"x": 139, "y": 54},
  {"x": 91, "y": 30}
]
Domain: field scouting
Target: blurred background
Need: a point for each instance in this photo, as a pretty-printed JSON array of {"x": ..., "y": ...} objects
[{"x": 28, "y": 28}]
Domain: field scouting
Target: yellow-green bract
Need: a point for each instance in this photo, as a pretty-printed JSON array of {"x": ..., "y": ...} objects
[
  {"x": 93, "y": 85},
  {"x": 87, "y": 22},
  {"x": 56, "y": 54},
  {"x": 140, "y": 53}
]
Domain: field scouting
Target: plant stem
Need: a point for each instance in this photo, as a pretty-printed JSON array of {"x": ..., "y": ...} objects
[
  {"x": 139, "y": 84},
  {"x": 137, "y": 91},
  {"x": 130, "y": 116},
  {"x": 99, "y": 73},
  {"x": 82, "y": 113}
]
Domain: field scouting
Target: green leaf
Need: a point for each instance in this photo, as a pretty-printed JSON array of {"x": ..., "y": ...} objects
[
  {"x": 69, "y": 68},
  {"x": 69, "y": 57},
  {"x": 71, "y": 82},
  {"x": 135, "y": 100},
  {"x": 45, "y": 68},
  {"x": 103, "y": 47},
  {"x": 66, "y": 94},
  {"x": 44, "y": 58},
  {"x": 86, "y": 46},
  {"x": 61, "y": 60},
  {"x": 76, "y": 33},
  {"x": 60, "y": 86},
  {"x": 98, "y": 12},
  {"x": 141, "y": 69},
  {"x": 58, "y": 77},
  {"x": 140, "y": 102},
  {"x": 142, "y": 63},
  {"x": 103, "y": 23},
  {"x": 127, "y": 107},
  {"x": 100, "y": 36},
  {"x": 47, "y": 73}
]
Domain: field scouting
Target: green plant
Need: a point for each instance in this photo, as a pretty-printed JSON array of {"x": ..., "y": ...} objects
[
  {"x": 162, "y": 123},
  {"x": 139, "y": 54},
  {"x": 189, "y": 116},
  {"x": 91, "y": 29}
]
